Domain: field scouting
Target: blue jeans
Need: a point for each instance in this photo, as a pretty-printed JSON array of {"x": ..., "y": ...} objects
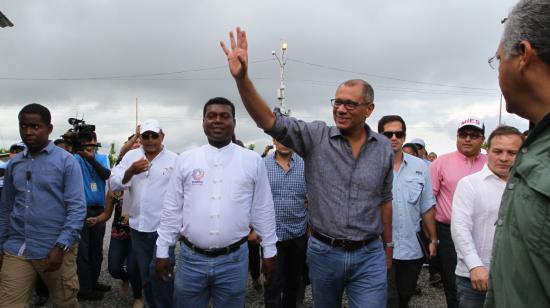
[
  {"x": 362, "y": 273},
  {"x": 222, "y": 278},
  {"x": 467, "y": 296},
  {"x": 119, "y": 253},
  {"x": 158, "y": 294}
]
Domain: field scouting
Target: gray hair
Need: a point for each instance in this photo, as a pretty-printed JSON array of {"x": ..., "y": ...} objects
[
  {"x": 368, "y": 91},
  {"x": 530, "y": 21}
]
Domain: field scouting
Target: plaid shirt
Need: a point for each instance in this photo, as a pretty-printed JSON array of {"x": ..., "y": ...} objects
[{"x": 289, "y": 196}]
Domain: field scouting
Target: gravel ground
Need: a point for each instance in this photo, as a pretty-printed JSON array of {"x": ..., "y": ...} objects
[{"x": 429, "y": 297}]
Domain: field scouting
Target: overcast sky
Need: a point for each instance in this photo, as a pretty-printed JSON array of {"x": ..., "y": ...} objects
[{"x": 427, "y": 61}]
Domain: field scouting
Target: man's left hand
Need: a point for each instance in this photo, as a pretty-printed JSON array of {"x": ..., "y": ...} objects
[
  {"x": 92, "y": 221},
  {"x": 389, "y": 257},
  {"x": 54, "y": 259},
  {"x": 269, "y": 265}
]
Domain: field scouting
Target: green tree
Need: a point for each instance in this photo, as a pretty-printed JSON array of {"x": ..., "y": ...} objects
[{"x": 112, "y": 155}]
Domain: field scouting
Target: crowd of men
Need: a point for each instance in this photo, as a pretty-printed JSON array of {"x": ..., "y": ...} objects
[{"x": 342, "y": 207}]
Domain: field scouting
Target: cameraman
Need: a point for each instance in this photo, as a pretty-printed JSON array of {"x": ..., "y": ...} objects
[{"x": 95, "y": 172}]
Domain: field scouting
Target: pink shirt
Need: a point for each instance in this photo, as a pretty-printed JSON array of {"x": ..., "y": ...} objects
[{"x": 445, "y": 172}]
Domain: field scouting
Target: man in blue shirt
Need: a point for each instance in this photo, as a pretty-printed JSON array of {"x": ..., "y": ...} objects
[
  {"x": 41, "y": 213},
  {"x": 95, "y": 172},
  {"x": 285, "y": 171},
  {"x": 412, "y": 201}
]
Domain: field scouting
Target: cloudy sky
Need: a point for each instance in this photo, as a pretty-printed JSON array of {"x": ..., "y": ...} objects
[{"x": 427, "y": 61}]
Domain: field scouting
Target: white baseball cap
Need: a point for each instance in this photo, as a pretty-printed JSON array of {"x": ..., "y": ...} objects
[{"x": 150, "y": 125}]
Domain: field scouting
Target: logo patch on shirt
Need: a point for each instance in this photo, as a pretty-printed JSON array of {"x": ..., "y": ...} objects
[
  {"x": 197, "y": 175},
  {"x": 419, "y": 172}
]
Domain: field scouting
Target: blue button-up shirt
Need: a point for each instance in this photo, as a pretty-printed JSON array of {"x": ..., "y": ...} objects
[
  {"x": 289, "y": 195},
  {"x": 412, "y": 197},
  {"x": 42, "y": 203},
  {"x": 344, "y": 193}
]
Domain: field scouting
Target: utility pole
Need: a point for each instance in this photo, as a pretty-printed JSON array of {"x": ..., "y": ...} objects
[
  {"x": 282, "y": 87},
  {"x": 500, "y": 111}
]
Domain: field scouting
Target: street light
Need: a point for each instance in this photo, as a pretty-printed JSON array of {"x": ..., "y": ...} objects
[{"x": 282, "y": 86}]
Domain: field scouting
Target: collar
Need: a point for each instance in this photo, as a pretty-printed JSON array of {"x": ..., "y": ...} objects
[
  {"x": 47, "y": 149},
  {"x": 486, "y": 173},
  {"x": 463, "y": 157},
  {"x": 222, "y": 149},
  {"x": 538, "y": 129},
  {"x": 161, "y": 151},
  {"x": 371, "y": 135}
]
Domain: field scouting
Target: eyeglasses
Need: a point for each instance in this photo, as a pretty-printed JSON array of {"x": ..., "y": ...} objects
[
  {"x": 348, "y": 104},
  {"x": 473, "y": 136},
  {"x": 398, "y": 134},
  {"x": 494, "y": 62},
  {"x": 146, "y": 136}
]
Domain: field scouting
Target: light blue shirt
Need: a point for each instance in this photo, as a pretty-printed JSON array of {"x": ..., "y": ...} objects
[
  {"x": 94, "y": 185},
  {"x": 42, "y": 203},
  {"x": 412, "y": 197}
]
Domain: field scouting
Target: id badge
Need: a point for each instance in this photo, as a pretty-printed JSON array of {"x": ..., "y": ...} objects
[{"x": 93, "y": 186}]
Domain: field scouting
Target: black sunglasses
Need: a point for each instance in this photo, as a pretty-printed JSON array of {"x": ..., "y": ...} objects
[
  {"x": 398, "y": 134},
  {"x": 148, "y": 135}
]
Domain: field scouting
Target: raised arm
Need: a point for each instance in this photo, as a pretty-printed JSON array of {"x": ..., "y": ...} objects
[{"x": 237, "y": 59}]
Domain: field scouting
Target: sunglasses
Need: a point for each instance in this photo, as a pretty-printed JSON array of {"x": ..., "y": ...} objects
[
  {"x": 473, "y": 136},
  {"x": 146, "y": 136},
  {"x": 398, "y": 134}
]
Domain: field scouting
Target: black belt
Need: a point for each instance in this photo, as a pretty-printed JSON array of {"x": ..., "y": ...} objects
[
  {"x": 343, "y": 243},
  {"x": 214, "y": 252}
]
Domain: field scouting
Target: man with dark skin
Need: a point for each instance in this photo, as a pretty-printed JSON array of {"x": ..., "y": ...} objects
[
  {"x": 26, "y": 249},
  {"x": 349, "y": 146},
  {"x": 216, "y": 230}
]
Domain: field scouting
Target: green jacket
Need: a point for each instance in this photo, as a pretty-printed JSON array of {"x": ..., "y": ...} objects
[{"x": 520, "y": 265}]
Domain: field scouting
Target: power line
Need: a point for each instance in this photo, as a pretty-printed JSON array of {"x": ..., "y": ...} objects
[
  {"x": 126, "y": 77},
  {"x": 387, "y": 77}
]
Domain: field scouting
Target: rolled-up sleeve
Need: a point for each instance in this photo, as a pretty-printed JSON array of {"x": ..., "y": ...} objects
[
  {"x": 427, "y": 200},
  {"x": 75, "y": 203},
  {"x": 296, "y": 134},
  {"x": 117, "y": 174},
  {"x": 462, "y": 224},
  {"x": 171, "y": 216},
  {"x": 263, "y": 211}
]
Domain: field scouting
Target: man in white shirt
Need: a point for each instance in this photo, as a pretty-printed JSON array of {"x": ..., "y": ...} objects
[
  {"x": 476, "y": 203},
  {"x": 215, "y": 194},
  {"x": 145, "y": 172}
]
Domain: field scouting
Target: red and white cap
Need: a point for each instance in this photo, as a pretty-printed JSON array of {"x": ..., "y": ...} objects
[{"x": 473, "y": 123}]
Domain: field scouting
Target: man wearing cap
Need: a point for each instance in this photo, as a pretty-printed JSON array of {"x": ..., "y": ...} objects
[
  {"x": 95, "y": 171},
  {"x": 520, "y": 267},
  {"x": 412, "y": 201},
  {"x": 445, "y": 172},
  {"x": 145, "y": 172},
  {"x": 215, "y": 194},
  {"x": 422, "y": 152}
]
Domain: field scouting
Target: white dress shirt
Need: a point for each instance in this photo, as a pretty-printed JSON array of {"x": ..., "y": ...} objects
[
  {"x": 145, "y": 190},
  {"x": 476, "y": 203},
  {"x": 214, "y": 196}
]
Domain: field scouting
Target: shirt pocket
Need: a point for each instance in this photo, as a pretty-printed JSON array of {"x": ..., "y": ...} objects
[
  {"x": 532, "y": 204},
  {"x": 414, "y": 188}
]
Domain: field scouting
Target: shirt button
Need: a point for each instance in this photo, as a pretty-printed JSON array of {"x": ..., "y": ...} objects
[
  {"x": 500, "y": 222},
  {"x": 511, "y": 186},
  {"x": 524, "y": 150}
]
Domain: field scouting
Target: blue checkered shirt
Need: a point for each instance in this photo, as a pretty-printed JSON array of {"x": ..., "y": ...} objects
[{"x": 289, "y": 196}]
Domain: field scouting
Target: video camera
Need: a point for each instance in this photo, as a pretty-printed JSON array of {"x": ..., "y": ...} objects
[{"x": 80, "y": 136}]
